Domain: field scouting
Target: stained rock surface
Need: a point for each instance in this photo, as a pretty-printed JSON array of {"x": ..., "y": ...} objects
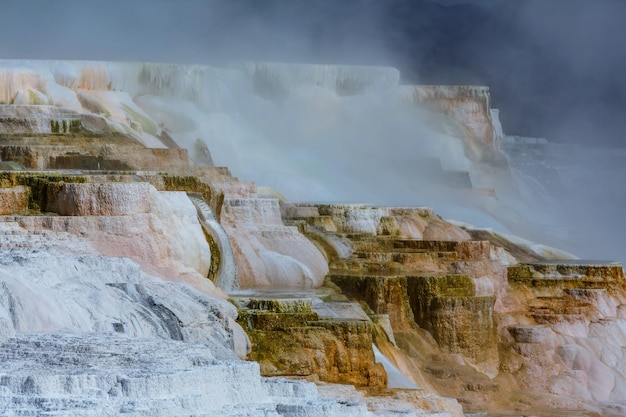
[{"x": 479, "y": 325}]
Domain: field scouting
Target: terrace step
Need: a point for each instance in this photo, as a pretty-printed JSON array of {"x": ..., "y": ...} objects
[{"x": 561, "y": 270}]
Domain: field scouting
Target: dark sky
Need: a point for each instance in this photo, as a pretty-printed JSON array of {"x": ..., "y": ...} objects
[{"x": 557, "y": 68}]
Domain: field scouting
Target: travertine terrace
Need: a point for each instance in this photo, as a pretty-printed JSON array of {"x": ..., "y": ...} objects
[{"x": 139, "y": 278}]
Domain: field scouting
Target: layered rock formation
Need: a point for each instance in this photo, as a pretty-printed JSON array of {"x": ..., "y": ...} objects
[
  {"x": 121, "y": 250},
  {"x": 526, "y": 337},
  {"x": 292, "y": 336}
]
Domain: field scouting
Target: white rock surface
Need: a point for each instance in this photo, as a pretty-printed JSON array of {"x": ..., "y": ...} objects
[
  {"x": 103, "y": 199},
  {"x": 267, "y": 252},
  {"x": 100, "y": 374},
  {"x": 158, "y": 230},
  {"x": 51, "y": 282}
]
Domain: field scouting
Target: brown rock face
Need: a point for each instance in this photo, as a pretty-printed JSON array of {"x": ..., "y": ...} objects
[
  {"x": 442, "y": 305},
  {"x": 479, "y": 125},
  {"x": 469, "y": 106},
  {"x": 53, "y": 137},
  {"x": 13, "y": 200},
  {"x": 290, "y": 339},
  {"x": 383, "y": 294},
  {"x": 458, "y": 320},
  {"x": 85, "y": 153}
]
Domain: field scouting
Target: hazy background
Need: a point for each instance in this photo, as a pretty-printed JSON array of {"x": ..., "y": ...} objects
[{"x": 556, "y": 68}]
